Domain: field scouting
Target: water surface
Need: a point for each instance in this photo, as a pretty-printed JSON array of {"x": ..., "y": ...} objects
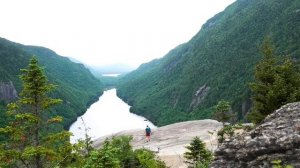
[
  {"x": 107, "y": 116},
  {"x": 111, "y": 75}
]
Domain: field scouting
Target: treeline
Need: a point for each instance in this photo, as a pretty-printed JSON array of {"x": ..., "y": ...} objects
[
  {"x": 77, "y": 87},
  {"x": 30, "y": 140},
  {"x": 220, "y": 58}
]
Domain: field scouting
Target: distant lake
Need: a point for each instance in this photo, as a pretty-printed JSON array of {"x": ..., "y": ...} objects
[
  {"x": 107, "y": 116},
  {"x": 111, "y": 75}
]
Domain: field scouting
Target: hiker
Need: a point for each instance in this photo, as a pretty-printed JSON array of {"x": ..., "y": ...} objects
[{"x": 148, "y": 133}]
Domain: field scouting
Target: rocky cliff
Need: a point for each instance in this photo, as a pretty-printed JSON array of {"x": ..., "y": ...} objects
[
  {"x": 7, "y": 91},
  {"x": 277, "y": 138},
  {"x": 169, "y": 141}
]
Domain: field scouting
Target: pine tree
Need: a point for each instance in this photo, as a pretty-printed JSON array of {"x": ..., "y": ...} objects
[
  {"x": 276, "y": 84},
  {"x": 223, "y": 112},
  {"x": 31, "y": 142},
  {"x": 197, "y": 153}
]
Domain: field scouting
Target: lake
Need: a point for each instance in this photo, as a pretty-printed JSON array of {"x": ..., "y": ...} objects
[{"x": 107, "y": 116}]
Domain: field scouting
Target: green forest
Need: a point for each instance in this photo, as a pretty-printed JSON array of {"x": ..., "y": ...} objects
[
  {"x": 30, "y": 140},
  {"x": 216, "y": 64},
  {"x": 241, "y": 66},
  {"x": 76, "y": 86}
]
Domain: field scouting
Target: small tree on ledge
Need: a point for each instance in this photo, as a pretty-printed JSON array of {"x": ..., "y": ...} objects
[
  {"x": 197, "y": 155},
  {"x": 223, "y": 112}
]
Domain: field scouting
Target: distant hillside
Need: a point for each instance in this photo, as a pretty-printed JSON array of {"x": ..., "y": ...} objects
[
  {"x": 111, "y": 69},
  {"x": 116, "y": 70},
  {"x": 217, "y": 63},
  {"x": 77, "y": 87}
]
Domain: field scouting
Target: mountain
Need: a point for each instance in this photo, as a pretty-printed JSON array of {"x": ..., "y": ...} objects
[
  {"x": 110, "y": 74},
  {"x": 76, "y": 86},
  {"x": 111, "y": 69},
  {"x": 217, "y": 63}
]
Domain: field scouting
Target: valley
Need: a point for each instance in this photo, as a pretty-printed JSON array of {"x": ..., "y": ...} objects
[
  {"x": 108, "y": 116},
  {"x": 220, "y": 58},
  {"x": 91, "y": 109}
]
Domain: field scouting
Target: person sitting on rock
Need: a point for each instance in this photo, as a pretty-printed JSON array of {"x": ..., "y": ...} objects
[{"x": 148, "y": 133}]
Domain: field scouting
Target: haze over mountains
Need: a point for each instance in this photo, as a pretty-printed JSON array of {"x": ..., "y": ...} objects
[
  {"x": 116, "y": 68},
  {"x": 111, "y": 69},
  {"x": 217, "y": 63}
]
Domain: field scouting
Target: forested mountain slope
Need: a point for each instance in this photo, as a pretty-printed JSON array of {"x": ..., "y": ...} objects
[
  {"x": 217, "y": 63},
  {"x": 76, "y": 86}
]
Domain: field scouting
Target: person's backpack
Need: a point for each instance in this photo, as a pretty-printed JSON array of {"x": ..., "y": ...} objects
[{"x": 148, "y": 130}]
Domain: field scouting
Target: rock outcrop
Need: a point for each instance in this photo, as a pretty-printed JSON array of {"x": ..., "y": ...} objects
[
  {"x": 7, "y": 91},
  {"x": 278, "y": 138},
  {"x": 199, "y": 96},
  {"x": 169, "y": 141}
]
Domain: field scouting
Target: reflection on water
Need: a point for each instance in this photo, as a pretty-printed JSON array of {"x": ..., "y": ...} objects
[{"x": 107, "y": 116}]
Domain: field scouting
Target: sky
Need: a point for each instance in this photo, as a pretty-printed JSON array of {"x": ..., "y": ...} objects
[{"x": 105, "y": 32}]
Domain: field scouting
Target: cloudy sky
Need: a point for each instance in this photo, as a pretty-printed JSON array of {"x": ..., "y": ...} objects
[{"x": 103, "y": 32}]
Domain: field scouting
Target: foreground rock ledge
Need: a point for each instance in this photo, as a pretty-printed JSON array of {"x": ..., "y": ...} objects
[
  {"x": 169, "y": 141},
  {"x": 278, "y": 138}
]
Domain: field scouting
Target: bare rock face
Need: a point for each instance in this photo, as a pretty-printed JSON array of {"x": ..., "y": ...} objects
[
  {"x": 199, "y": 96},
  {"x": 169, "y": 141},
  {"x": 8, "y": 92},
  {"x": 278, "y": 138}
]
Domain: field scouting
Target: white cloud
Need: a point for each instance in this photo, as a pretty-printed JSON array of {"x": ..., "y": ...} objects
[{"x": 102, "y": 32}]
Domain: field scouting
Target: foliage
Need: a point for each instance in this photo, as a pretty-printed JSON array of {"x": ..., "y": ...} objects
[
  {"x": 278, "y": 164},
  {"x": 77, "y": 87},
  {"x": 227, "y": 130},
  {"x": 246, "y": 127},
  {"x": 147, "y": 159},
  {"x": 223, "y": 112},
  {"x": 197, "y": 155},
  {"x": 106, "y": 157},
  {"x": 30, "y": 143},
  {"x": 3, "y": 119},
  {"x": 119, "y": 153},
  {"x": 109, "y": 81},
  {"x": 276, "y": 84},
  {"x": 204, "y": 164},
  {"x": 221, "y": 56}
]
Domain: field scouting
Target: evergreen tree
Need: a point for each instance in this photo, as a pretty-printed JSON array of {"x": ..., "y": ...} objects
[
  {"x": 197, "y": 154},
  {"x": 276, "y": 84},
  {"x": 223, "y": 112},
  {"x": 31, "y": 144}
]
